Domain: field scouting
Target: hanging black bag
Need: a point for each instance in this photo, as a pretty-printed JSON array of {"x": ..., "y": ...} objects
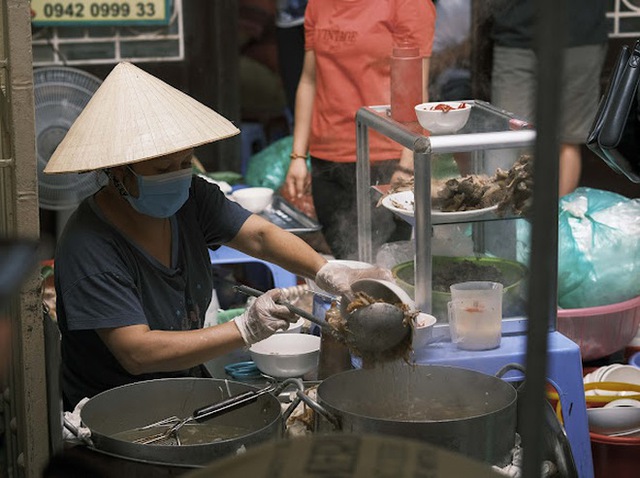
[{"x": 615, "y": 133}]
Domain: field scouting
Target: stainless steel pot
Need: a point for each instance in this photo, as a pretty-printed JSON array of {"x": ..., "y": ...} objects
[
  {"x": 461, "y": 410},
  {"x": 138, "y": 404}
]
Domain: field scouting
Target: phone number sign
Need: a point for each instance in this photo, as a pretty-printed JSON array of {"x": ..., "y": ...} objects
[{"x": 94, "y": 12}]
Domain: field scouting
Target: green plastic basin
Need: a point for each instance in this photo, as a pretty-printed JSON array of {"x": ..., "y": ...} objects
[{"x": 513, "y": 275}]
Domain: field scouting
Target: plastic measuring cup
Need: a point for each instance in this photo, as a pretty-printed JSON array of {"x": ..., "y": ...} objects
[{"x": 475, "y": 315}]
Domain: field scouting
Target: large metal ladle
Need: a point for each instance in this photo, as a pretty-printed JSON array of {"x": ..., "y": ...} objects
[
  {"x": 374, "y": 328},
  {"x": 296, "y": 310},
  {"x": 379, "y": 326}
]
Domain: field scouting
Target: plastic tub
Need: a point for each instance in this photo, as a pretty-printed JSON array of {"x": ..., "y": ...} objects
[
  {"x": 603, "y": 330},
  {"x": 615, "y": 456},
  {"x": 513, "y": 272}
]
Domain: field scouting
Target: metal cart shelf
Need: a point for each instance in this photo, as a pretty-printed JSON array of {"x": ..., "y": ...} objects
[{"x": 487, "y": 128}]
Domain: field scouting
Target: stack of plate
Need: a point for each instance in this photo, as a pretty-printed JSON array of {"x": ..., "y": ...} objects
[
  {"x": 617, "y": 386},
  {"x": 618, "y": 373}
]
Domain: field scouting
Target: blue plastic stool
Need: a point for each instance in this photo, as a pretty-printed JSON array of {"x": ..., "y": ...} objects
[
  {"x": 253, "y": 139},
  {"x": 564, "y": 372},
  {"x": 226, "y": 255}
]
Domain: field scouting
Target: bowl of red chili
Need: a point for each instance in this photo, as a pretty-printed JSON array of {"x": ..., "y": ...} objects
[{"x": 444, "y": 117}]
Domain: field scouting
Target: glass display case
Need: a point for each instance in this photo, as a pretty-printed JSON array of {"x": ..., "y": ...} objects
[{"x": 490, "y": 139}]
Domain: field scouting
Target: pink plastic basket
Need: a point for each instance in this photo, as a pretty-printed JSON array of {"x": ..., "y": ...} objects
[{"x": 602, "y": 330}]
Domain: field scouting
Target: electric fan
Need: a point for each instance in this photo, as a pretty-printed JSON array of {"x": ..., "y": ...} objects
[{"x": 60, "y": 94}]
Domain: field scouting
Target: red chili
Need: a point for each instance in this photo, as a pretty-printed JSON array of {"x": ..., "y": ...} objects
[
  {"x": 442, "y": 107},
  {"x": 445, "y": 108}
]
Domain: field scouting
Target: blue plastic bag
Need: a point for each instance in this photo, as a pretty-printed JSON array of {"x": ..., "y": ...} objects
[{"x": 598, "y": 249}]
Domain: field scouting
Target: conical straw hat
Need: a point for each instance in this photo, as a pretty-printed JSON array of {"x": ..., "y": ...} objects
[{"x": 134, "y": 116}]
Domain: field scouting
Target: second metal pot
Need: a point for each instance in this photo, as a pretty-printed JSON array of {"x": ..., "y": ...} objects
[
  {"x": 458, "y": 409},
  {"x": 138, "y": 404}
]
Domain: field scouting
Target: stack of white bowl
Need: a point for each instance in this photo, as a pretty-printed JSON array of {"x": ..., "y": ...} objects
[{"x": 619, "y": 416}]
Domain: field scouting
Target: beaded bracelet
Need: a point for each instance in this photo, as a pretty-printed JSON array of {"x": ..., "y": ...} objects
[{"x": 293, "y": 156}]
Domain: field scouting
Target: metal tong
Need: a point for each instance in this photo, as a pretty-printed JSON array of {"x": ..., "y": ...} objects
[
  {"x": 296, "y": 310},
  {"x": 374, "y": 328},
  {"x": 170, "y": 435}
]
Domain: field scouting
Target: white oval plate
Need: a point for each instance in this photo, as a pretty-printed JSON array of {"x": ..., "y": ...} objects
[{"x": 401, "y": 203}]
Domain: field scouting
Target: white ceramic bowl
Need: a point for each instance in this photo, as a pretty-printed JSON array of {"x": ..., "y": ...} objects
[
  {"x": 253, "y": 199},
  {"x": 438, "y": 121},
  {"x": 422, "y": 329},
  {"x": 286, "y": 355},
  {"x": 607, "y": 421}
]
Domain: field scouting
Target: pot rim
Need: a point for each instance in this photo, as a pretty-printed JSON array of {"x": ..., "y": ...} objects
[
  {"x": 100, "y": 435},
  {"x": 510, "y": 403}
]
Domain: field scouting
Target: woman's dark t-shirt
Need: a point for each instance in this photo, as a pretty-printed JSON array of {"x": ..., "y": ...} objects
[{"x": 103, "y": 280}]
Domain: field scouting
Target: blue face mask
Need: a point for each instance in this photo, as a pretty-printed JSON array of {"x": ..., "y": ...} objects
[{"x": 161, "y": 195}]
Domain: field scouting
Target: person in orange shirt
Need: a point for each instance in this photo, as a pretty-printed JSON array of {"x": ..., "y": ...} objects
[{"x": 348, "y": 44}]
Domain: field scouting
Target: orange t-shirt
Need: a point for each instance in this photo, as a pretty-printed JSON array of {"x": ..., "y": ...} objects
[{"x": 352, "y": 41}]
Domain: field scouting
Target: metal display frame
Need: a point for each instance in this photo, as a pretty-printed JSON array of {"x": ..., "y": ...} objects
[
  {"x": 516, "y": 134},
  {"x": 530, "y": 340},
  {"x": 551, "y": 21},
  {"x": 541, "y": 297}
]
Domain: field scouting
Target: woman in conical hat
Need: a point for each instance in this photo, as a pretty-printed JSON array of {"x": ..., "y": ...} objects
[{"x": 132, "y": 268}]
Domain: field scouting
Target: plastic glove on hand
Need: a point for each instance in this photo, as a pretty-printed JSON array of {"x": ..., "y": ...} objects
[
  {"x": 337, "y": 278},
  {"x": 264, "y": 317},
  {"x": 73, "y": 422}
]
